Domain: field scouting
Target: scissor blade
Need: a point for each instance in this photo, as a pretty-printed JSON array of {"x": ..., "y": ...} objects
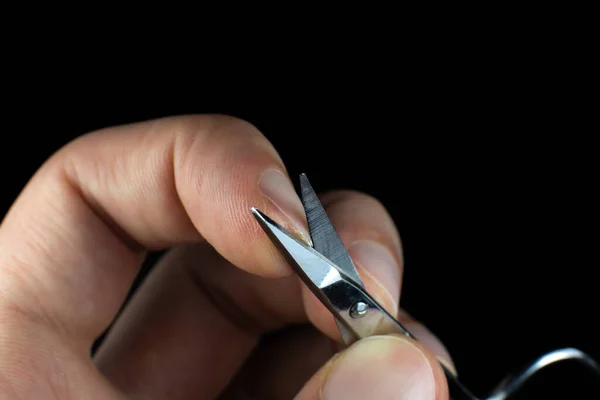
[
  {"x": 302, "y": 258},
  {"x": 323, "y": 235},
  {"x": 315, "y": 270},
  {"x": 312, "y": 267}
]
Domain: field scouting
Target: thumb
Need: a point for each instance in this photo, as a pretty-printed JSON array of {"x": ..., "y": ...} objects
[{"x": 379, "y": 367}]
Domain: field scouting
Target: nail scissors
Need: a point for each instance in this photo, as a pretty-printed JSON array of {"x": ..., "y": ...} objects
[{"x": 326, "y": 268}]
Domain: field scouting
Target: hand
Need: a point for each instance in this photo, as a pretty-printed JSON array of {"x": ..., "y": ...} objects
[{"x": 210, "y": 321}]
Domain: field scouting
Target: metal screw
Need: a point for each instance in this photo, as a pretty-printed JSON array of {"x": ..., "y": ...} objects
[{"x": 359, "y": 309}]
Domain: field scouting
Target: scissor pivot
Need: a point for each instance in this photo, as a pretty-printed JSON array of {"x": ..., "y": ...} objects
[{"x": 359, "y": 309}]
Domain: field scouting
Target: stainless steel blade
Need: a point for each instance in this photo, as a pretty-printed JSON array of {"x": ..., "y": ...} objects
[
  {"x": 324, "y": 236},
  {"x": 312, "y": 267}
]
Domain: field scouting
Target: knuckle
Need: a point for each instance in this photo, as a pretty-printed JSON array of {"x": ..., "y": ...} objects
[{"x": 224, "y": 140}]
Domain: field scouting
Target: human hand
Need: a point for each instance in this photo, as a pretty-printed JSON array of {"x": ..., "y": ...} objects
[{"x": 221, "y": 315}]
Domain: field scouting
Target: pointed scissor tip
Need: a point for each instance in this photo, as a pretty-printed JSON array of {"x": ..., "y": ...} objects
[
  {"x": 270, "y": 226},
  {"x": 305, "y": 185},
  {"x": 267, "y": 223},
  {"x": 260, "y": 216}
]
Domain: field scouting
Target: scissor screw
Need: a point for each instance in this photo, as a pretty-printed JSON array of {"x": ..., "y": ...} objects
[{"x": 359, "y": 309}]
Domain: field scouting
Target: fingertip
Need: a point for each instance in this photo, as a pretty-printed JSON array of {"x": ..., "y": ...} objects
[{"x": 226, "y": 172}]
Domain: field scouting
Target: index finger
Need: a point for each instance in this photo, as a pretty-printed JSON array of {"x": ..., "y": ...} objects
[{"x": 71, "y": 245}]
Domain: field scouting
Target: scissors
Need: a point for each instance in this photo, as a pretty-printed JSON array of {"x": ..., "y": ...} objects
[{"x": 327, "y": 270}]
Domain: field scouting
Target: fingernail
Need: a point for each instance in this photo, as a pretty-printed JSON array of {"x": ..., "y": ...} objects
[
  {"x": 380, "y": 367},
  {"x": 429, "y": 340},
  {"x": 278, "y": 188},
  {"x": 378, "y": 262}
]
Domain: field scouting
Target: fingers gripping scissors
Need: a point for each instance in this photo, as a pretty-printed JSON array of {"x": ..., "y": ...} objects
[{"x": 327, "y": 270}]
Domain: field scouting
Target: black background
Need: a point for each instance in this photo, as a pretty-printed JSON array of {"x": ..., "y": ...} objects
[{"x": 489, "y": 169}]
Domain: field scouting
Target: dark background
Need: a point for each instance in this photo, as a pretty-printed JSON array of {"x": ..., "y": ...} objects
[{"x": 488, "y": 168}]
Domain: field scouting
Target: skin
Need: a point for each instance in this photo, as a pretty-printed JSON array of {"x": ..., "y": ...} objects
[{"x": 220, "y": 316}]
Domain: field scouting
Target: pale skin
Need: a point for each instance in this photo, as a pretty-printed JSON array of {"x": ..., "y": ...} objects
[{"x": 73, "y": 241}]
